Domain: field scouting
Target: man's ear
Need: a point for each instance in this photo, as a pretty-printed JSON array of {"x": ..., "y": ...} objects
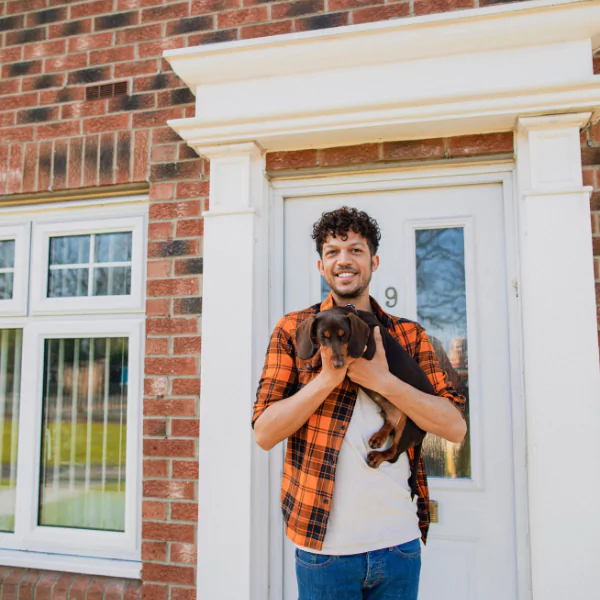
[
  {"x": 304, "y": 333},
  {"x": 359, "y": 333}
]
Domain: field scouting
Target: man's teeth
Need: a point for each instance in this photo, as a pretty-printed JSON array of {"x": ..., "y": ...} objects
[{"x": 345, "y": 275}]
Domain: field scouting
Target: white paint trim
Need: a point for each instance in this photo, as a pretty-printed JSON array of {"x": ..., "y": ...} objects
[{"x": 19, "y": 232}]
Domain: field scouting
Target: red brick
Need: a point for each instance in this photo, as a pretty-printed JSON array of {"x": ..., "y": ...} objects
[
  {"x": 4, "y": 152},
  {"x": 45, "y": 166},
  {"x": 16, "y": 134},
  {"x": 266, "y": 29},
  {"x": 61, "y": 587},
  {"x": 157, "y": 307},
  {"x": 155, "y": 468},
  {"x": 89, "y": 9},
  {"x": 165, "y": 153},
  {"x": 183, "y": 593},
  {"x": 381, "y": 13},
  {"x": 78, "y": 588},
  {"x": 115, "y": 590},
  {"x": 189, "y": 228},
  {"x": 61, "y": 157},
  {"x": 172, "y": 287},
  {"x": 156, "y": 117},
  {"x": 133, "y": 591},
  {"x": 281, "y": 161},
  {"x": 108, "y": 123},
  {"x": 7, "y": 119},
  {"x": 162, "y": 191},
  {"x": 185, "y": 469},
  {"x": 186, "y": 387},
  {"x": 173, "y": 210},
  {"x": 187, "y": 345},
  {"x": 95, "y": 589},
  {"x": 298, "y": 7},
  {"x": 168, "y": 574},
  {"x": 185, "y": 427},
  {"x": 157, "y": 346},
  {"x": 107, "y": 158},
  {"x": 158, "y": 326},
  {"x": 489, "y": 143},
  {"x": 171, "y": 366},
  {"x": 235, "y": 18},
  {"x": 156, "y": 511},
  {"x": 159, "y": 268},
  {"x": 90, "y": 42},
  {"x": 426, "y": 7},
  {"x": 160, "y": 231},
  {"x": 190, "y": 169},
  {"x": 192, "y": 189},
  {"x": 174, "y": 490},
  {"x": 180, "y": 407},
  {"x": 65, "y": 63},
  {"x": 39, "y": 50},
  {"x": 58, "y": 30},
  {"x": 139, "y": 34},
  {"x": 165, "y": 13},
  {"x": 201, "y": 7},
  {"x": 90, "y": 160},
  {"x": 43, "y": 589},
  {"x": 77, "y": 110},
  {"x": 27, "y": 583},
  {"x": 154, "y": 551},
  {"x": 348, "y": 155},
  {"x": 184, "y": 553},
  {"x": 163, "y": 135},
  {"x": 15, "y": 171},
  {"x": 75, "y": 162},
  {"x": 123, "y": 156},
  {"x": 168, "y": 531},
  {"x": 22, "y": 101},
  {"x": 110, "y": 55},
  {"x": 321, "y": 21},
  {"x": 8, "y": 55},
  {"x": 58, "y": 130},
  {"x": 30, "y": 168},
  {"x": 414, "y": 149},
  {"x": 166, "y": 448},
  {"x": 134, "y": 69},
  {"x": 155, "y": 592},
  {"x": 140, "y": 156}
]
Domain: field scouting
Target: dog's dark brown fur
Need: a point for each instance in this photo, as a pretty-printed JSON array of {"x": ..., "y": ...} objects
[{"x": 349, "y": 332}]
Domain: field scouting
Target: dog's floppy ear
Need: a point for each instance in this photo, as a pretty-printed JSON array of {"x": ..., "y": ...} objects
[
  {"x": 359, "y": 333},
  {"x": 371, "y": 346},
  {"x": 304, "y": 333}
]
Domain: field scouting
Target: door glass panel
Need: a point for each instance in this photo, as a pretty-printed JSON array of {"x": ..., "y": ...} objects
[
  {"x": 10, "y": 389},
  {"x": 7, "y": 267},
  {"x": 82, "y": 478},
  {"x": 442, "y": 310}
]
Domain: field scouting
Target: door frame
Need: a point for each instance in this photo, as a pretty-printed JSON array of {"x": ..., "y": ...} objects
[{"x": 405, "y": 178}]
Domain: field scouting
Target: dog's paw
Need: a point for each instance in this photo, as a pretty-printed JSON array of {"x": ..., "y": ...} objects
[
  {"x": 374, "y": 459},
  {"x": 376, "y": 441}
]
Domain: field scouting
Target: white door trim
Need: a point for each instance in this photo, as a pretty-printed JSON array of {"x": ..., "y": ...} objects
[{"x": 402, "y": 179}]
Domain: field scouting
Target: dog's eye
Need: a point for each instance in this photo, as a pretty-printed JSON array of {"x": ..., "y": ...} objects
[
  {"x": 341, "y": 332},
  {"x": 326, "y": 334}
]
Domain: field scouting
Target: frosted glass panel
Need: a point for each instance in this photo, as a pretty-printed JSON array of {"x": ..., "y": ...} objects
[{"x": 442, "y": 310}]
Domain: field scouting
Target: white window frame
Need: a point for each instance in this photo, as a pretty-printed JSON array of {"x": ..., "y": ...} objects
[
  {"x": 17, "y": 306},
  {"x": 108, "y": 553},
  {"x": 41, "y": 234}
]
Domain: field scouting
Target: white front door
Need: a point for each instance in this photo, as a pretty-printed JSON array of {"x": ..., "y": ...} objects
[{"x": 443, "y": 264}]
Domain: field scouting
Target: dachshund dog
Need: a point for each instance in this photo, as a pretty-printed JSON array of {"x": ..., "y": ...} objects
[{"x": 349, "y": 332}]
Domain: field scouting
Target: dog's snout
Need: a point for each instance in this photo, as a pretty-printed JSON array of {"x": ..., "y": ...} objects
[{"x": 338, "y": 363}]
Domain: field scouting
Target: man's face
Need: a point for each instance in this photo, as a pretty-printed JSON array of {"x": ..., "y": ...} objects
[{"x": 347, "y": 265}]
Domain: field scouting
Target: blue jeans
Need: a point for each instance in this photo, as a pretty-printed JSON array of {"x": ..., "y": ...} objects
[{"x": 389, "y": 573}]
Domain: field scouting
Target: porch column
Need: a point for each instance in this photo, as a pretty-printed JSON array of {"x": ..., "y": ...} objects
[
  {"x": 232, "y": 522},
  {"x": 562, "y": 379}
]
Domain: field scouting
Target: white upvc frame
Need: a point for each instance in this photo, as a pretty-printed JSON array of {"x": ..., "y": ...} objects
[
  {"x": 406, "y": 178},
  {"x": 77, "y": 550},
  {"x": 41, "y": 234},
  {"x": 17, "y": 306}
]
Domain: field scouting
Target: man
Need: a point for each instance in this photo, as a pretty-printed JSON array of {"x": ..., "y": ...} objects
[{"x": 360, "y": 538}]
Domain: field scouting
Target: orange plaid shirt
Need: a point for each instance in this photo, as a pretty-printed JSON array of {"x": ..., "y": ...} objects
[{"x": 312, "y": 452}]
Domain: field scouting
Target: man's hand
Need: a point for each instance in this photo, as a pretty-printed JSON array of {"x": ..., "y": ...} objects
[{"x": 371, "y": 374}]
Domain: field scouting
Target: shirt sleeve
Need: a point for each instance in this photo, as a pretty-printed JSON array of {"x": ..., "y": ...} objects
[
  {"x": 279, "y": 377},
  {"x": 426, "y": 357}
]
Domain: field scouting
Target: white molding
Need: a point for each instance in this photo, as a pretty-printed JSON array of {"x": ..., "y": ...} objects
[
  {"x": 559, "y": 339},
  {"x": 20, "y": 233}
]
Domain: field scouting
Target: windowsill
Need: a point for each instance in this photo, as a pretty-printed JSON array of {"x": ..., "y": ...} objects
[{"x": 128, "y": 569}]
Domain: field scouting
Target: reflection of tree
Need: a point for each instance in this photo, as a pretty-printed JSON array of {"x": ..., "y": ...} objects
[{"x": 441, "y": 277}]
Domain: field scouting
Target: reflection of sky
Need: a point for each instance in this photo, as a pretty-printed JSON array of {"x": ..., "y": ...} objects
[{"x": 441, "y": 289}]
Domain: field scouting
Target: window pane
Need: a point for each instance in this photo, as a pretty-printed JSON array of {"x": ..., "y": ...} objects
[
  {"x": 64, "y": 283},
  {"x": 10, "y": 389},
  {"x": 70, "y": 250},
  {"x": 325, "y": 289},
  {"x": 7, "y": 254},
  {"x": 82, "y": 479},
  {"x": 442, "y": 310},
  {"x": 113, "y": 247},
  {"x": 6, "y": 286},
  {"x": 112, "y": 281}
]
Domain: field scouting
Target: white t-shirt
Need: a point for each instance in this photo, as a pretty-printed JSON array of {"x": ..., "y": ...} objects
[{"x": 370, "y": 508}]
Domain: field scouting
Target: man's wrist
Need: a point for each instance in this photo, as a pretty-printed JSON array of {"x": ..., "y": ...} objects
[{"x": 390, "y": 385}]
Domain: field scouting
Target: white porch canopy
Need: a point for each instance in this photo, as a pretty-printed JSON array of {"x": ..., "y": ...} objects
[{"x": 525, "y": 67}]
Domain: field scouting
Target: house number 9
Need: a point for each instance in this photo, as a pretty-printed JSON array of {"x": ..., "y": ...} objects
[{"x": 392, "y": 297}]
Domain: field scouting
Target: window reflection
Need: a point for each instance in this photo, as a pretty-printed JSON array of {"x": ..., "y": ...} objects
[{"x": 442, "y": 310}]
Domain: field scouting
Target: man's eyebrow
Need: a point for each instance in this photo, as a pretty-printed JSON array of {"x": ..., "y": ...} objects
[{"x": 333, "y": 245}]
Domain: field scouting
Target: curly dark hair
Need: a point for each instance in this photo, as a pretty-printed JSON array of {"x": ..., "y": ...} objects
[{"x": 339, "y": 222}]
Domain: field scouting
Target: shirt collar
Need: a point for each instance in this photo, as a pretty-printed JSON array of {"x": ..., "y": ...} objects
[{"x": 383, "y": 317}]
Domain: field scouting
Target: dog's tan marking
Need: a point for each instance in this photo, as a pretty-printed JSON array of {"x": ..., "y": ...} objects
[{"x": 341, "y": 332}]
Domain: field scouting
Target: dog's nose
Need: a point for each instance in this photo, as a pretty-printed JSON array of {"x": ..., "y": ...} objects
[{"x": 338, "y": 364}]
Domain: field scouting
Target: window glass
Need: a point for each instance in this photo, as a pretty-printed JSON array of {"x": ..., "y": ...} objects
[
  {"x": 442, "y": 310},
  {"x": 7, "y": 266},
  {"x": 10, "y": 389},
  {"x": 84, "y": 428}
]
